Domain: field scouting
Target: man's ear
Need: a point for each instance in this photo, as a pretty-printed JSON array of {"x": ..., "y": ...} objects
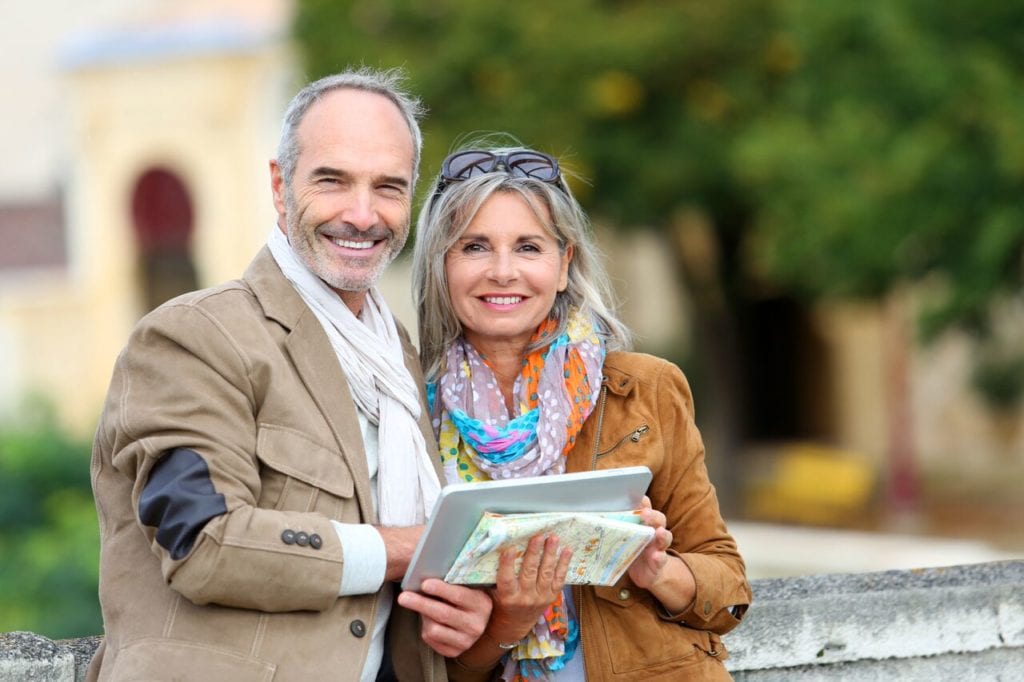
[{"x": 278, "y": 189}]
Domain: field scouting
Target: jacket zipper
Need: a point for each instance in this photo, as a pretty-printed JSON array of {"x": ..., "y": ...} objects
[
  {"x": 635, "y": 435},
  {"x": 577, "y": 590},
  {"x": 600, "y": 421}
]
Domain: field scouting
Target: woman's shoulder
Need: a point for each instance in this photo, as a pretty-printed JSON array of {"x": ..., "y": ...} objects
[
  {"x": 653, "y": 381},
  {"x": 640, "y": 366}
]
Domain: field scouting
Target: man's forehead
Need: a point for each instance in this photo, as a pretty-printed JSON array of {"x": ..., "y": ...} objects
[{"x": 358, "y": 119}]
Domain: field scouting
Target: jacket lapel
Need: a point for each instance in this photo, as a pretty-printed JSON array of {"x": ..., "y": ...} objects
[{"x": 317, "y": 366}]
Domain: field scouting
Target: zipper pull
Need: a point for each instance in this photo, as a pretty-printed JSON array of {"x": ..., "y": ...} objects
[{"x": 639, "y": 433}]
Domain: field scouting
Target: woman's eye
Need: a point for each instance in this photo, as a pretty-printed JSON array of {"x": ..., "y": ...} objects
[
  {"x": 473, "y": 247},
  {"x": 529, "y": 248}
]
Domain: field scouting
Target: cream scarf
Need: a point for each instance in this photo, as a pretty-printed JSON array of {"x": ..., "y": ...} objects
[{"x": 369, "y": 351}]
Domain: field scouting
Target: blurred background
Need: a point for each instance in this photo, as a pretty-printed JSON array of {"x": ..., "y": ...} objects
[{"x": 815, "y": 208}]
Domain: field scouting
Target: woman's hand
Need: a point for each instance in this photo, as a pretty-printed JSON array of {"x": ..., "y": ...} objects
[
  {"x": 667, "y": 577},
  {"x": 646, "y": 569},
  {"x": 519, "y": 600}
]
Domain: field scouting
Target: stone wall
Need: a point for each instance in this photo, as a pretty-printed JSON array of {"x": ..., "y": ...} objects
[{"x": 956, "y": 623}]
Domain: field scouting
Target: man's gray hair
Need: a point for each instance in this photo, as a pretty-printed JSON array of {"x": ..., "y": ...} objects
[{"x": 389, "y": 83}]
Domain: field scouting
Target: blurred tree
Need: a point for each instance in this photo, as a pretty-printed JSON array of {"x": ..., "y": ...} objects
[
  {"x": 894, "y": 151},
  {"x": 48, "y": 533},
  {"x": 642, "y": 99},
  {"x": 783, "y": 148}
]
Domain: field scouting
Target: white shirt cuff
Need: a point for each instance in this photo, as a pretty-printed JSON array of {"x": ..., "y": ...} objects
[{"x": 366, "y": 559}]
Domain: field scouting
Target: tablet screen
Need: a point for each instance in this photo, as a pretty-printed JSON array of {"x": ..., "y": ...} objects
[{"x": 459, "y": 507}]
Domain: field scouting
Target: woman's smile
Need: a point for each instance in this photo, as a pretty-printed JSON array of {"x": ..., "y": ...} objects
[{"x": 504, "y": 272}]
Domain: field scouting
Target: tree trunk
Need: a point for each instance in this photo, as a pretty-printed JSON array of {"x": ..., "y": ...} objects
[
  {"x": 718, "y": 380},
  {"x": 902, "y": 479}
]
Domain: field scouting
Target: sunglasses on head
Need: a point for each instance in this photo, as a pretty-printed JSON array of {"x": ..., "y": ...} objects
[{"x": 521, "y": 163}]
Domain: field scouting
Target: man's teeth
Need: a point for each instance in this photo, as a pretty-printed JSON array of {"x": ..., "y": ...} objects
[
  {"x": 345, "y": 243},
  {"x": 503, "y": 300}
]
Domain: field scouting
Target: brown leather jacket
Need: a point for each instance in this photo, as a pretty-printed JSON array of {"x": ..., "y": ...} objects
[{"x": 644, "y": 416}]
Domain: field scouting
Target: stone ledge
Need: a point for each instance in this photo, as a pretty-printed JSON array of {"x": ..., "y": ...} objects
[
  {"x": 871, "y": 625},
  {"x": 961, "y": 622}
]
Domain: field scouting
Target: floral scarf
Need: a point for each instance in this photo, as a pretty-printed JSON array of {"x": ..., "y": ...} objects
[{"x": 555, "y": 393}]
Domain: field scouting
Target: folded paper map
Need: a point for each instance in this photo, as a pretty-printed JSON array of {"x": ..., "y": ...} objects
[{"x": 603, "y": 544}]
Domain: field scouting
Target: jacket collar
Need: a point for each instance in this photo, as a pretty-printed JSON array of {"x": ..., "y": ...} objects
[
  {"x": 276, "y": 294},
  {"x": 310, "y": 350},
  {"x": 617, "y": 379}
]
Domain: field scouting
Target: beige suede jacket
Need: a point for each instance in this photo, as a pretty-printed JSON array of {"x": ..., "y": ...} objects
[
  {"x": 244, "y": 380},
  {"x": 645, "y": 416}
]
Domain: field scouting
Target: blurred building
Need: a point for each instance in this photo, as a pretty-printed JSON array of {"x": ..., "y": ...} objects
[
  {"x": 153, "y": 177},
  {"x": 138, "y": 139}
]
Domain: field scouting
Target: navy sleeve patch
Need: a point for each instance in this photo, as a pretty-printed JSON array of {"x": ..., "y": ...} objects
[{"x": 179, "y": 499}]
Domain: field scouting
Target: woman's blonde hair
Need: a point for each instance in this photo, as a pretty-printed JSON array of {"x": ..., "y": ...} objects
[{"x": 446, "y": 214}]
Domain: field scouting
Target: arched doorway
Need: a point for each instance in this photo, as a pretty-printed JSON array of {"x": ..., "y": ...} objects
[{"x": 162, "y": 217}]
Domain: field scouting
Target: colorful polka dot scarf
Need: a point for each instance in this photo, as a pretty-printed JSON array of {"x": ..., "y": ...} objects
[{"x": 555, "y": 393}]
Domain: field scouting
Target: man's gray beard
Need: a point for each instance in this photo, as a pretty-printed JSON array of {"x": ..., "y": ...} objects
[{"x": 311, "y": 259}]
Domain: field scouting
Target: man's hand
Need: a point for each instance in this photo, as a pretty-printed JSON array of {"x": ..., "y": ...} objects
[{"x": 454, "y": 616}]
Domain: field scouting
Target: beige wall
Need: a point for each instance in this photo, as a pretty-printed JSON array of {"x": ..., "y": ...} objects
[
  {"x": 213, "y": 120},
  {"x": 212, "y": 117}
]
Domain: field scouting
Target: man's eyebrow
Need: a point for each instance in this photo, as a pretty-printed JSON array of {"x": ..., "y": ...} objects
[
  {"x": 327, "y": 172},
  {"x": 396, "y": 180}
]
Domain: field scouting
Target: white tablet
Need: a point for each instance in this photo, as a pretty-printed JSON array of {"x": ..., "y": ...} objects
[{"x": 459, "y": 507}]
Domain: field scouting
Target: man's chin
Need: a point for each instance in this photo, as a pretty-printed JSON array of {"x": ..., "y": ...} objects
[{"x": 353, "y": 284}]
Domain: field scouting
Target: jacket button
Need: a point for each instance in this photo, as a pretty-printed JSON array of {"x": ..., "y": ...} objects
[
  {"x": 707, "y": 608},
  {"x": 358, "y": 628},
  {"x": 288, "y": 537},
  {"x": 301, "y": 539},
  {"x": 315, "y": 541},
  {"x": 623, "y": 594}
]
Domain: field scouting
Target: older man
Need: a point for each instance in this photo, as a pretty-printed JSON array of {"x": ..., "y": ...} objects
[{"x": 260, "y": 468}]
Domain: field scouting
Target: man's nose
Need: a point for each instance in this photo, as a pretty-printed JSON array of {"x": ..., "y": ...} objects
[{"x": 360, "y": 210}]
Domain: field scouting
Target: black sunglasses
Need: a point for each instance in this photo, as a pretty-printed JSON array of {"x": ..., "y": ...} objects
[{"x": 521, "y": 163}]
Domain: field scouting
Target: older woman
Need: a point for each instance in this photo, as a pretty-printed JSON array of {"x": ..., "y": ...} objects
[{"x": 528, "y": 375}]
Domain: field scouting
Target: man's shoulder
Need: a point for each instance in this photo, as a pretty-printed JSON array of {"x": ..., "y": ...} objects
[
  {"x": 229, "y": 296},
  {"x": 232, "y": 307},
  {"x": 261, "y": 283}
]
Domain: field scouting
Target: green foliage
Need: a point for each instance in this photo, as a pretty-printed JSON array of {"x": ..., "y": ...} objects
[
  {"x": 894, "y": 152},
  {"x": 840, "y": 148},
  {"x": 598, "y": 83},
  {"x": 48, "y": 533}
]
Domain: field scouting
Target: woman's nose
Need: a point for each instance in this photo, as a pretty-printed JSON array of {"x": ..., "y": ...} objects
[{"x": 503, "y": 268}]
